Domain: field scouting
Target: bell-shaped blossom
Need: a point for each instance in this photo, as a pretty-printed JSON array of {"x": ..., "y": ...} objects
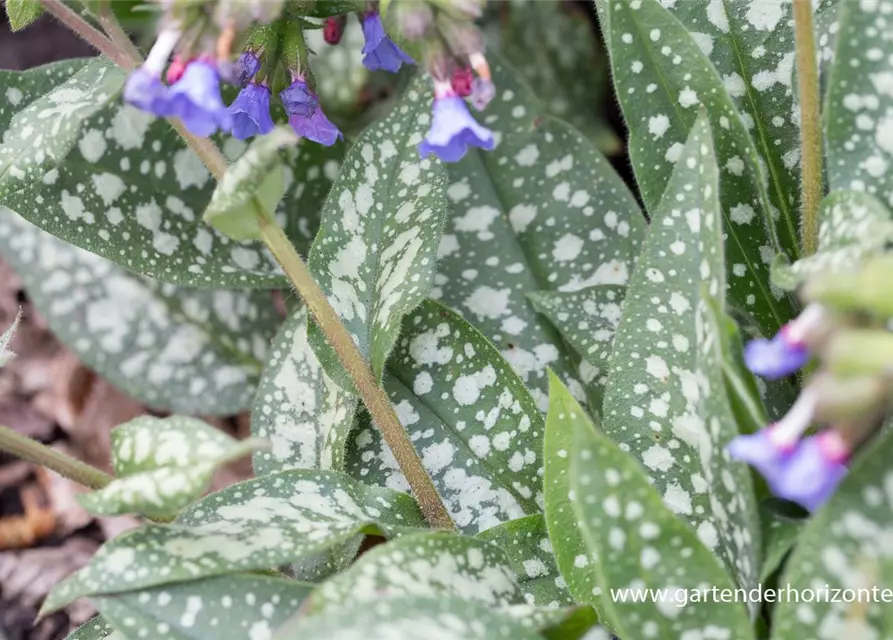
[
  {"x": 453, "y": 128},
  {"x": 789, "y": 350},
  {"x": 196, "y": 100},
  {"x": 298, "y": 99},
  {"x": 814, "y": 470},
  {"x": 250, "y": 112},
  {"x": 144, "y": 88},
  {"x": 317, "y": 128},
  {"x": 247, "y": 66},
  {"x": 380, "y": 52}
]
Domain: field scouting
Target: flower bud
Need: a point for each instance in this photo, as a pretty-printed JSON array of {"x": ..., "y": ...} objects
[
  {"x": 333, "y": 29},
  {"x": 462, "y": 80}
]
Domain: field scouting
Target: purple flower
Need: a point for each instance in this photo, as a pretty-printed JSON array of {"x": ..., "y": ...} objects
[
  {"x": 248, "y": 66},
  {"x": 146, "y": 92},
  {"x": 195, "y": 99},
  {"x": 814, "y": 470},
  {"x": 453, "y": 129},
  {"x": 775, "y": 358},
  {"x": 298, "y": 99},
  {"x": 250, "y": 112},
  {"x": 317, "y": 128},
  {"x": 380, "y": 51},
  {"x": 482, "y": 92}
]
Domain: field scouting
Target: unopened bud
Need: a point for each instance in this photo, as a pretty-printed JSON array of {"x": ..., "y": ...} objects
[
  {"x": 177, "y": 68},
  {"x": 333, "y": 29},
  {"x": 462, "y": 80}
]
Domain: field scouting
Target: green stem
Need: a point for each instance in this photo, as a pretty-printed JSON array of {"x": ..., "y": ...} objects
[
  {"x": 119, "y": 37},
  {"x": 810, "y": 126},
  {"x": 33, "y": 451},
  {"x": 86, "y": 31},
  {"x": 374, "y": 397}
]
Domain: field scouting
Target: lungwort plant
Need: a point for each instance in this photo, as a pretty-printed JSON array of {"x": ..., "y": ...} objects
[{"x": 510, "y": 394}]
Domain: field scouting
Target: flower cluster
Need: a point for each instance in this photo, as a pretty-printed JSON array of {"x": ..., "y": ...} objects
[{"x": 190, "y": 89}]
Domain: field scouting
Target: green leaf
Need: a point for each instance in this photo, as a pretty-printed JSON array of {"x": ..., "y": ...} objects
[
  {"x": 426, "y": 564},
  {"x": 587, "y": 320},
  {"x": 113, "y": 180},
  {"x": 94, "y": 629},
  {"x": 665, "y": 401},
  {"x": 553, "y": 45},
  {"x": 233, "y": 607},
  {"x": 253, "y": 525},
  {"x": 477, "y": 429},
  {"x": 859, "y": 112},
  {"x": 853, "y": 226},
  {"x": 751, "y": 46},
  {"x": 305, "y": 416},
  {"x": 252, "y": 187},
  {"x": 662, "y": 77},
  {"x": 5, "y": 354},
  {"x": 163, "y": 465},
  {"x": 21, "y": 13},
  {"x": 844, "y": 546},
  {"x": 543, "y": 211},
  {"x": 639, "y": 543},
  {"x": 186, "y": 350},
  {"x": 527, "y": 545},
  {"x": 376, "y": 249},
  {"x": 408, "y": 618},
  {"x": 780, "y": 532}
]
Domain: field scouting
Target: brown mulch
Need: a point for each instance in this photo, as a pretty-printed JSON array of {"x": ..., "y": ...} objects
[{"x": 47, "y": 394}]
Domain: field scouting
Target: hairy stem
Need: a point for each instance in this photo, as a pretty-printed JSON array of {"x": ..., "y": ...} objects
[
  {"x": 374, "y": 397},
  {"x": 33, "y": 451},
  {"x": 86, "y": 31},
  {"x": 119, "y": 37},
  {"x": 810, "y": 126}
]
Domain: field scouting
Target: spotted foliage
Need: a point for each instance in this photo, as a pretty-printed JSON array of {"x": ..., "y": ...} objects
[
  {"x": 376, "y": 249},
  {"x": 233, "y": 607},
  {"x": 477, "y": 429},
  {"x": 5, "y": 338},
  {"x": 187, "y": 350},
  {"x": 254, "y": 525},
  {"x": 95, "y": 629},
  {"x": 665, "y": 400},
  {"x": 640, "y": 544},
  {"x": 78, "y": 163},
  {"x": 845, "y": 546},
  {"x": 663, "y": 80},
  {"x": 543, "y": 211}
]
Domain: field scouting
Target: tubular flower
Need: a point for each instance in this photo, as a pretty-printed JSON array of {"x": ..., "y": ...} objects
[
  {"x": 251, "y": 112},
  {"x": 196, "y": 100},
  {"x": 814, "y": 470},
  {"x": 380, "y": 52},
  {"x": 788, "y": 351},
  {"x": 317, "y": 128},
  {"x": 144, "y": 89},
  {"x": 248, "y": 66},
  {"x": 298, "y": 99},
  {"x": 453, "y": 129}
]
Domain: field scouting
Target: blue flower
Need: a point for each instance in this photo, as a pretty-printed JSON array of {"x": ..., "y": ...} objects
[
  {"x": 814, "y": 470},
  {"x": 380, "y": 51},
  {"x": 298, "y": 99},
  {"x": 760, "y": 451},
  {"x": 195, "y": 99},
  {"x": 775, "y": 358},
  {"x": 250, "y": 112},
  {"x": 248, "y": 66},
  {"x": 146, "y": 92},
  {"x": 317, "y": 128},
  {"x": 482, "y": 92},
  {"x": 453, "y": 129}
]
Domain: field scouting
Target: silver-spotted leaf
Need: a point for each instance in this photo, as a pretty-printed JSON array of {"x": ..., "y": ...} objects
[
  {"x": 258, "y": 524},
  {"x": 235, "y": 607},
  {"x": 376, "y": 249},
  {"x": 162, "y": 465},
  {"x": 425, "y": 564},
  {"x": 640, "y": 544},
  {"x": 853, "y": 226},
  {"x": 663, "y": 79},
  {"x": 587, "y": 320},
  {"x": 94, "y": 629},
  {"x": 305, "y": 416},
  {"x": 106, "y": 177},
  {"x": 845, "y": 546},
  {"x": 408, "y": 618},
  {"x": 186, "y": 350},
  {"x": 665, "y": 400},
  {"x": 5, "y": 338},
  {"x": 543, "y": 211},
  {"x": 859, "y": 112},
  {"x": 527, "y": 545},
  {"x": 477, "y": 429}
]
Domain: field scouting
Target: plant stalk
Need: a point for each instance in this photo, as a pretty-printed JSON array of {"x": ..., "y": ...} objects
[
  {"x": 40, "y": 454},
  {"x": 374, "y": 397},
  {"x": 810, "y": 126},
  {"x": 86, "y": 31}
]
